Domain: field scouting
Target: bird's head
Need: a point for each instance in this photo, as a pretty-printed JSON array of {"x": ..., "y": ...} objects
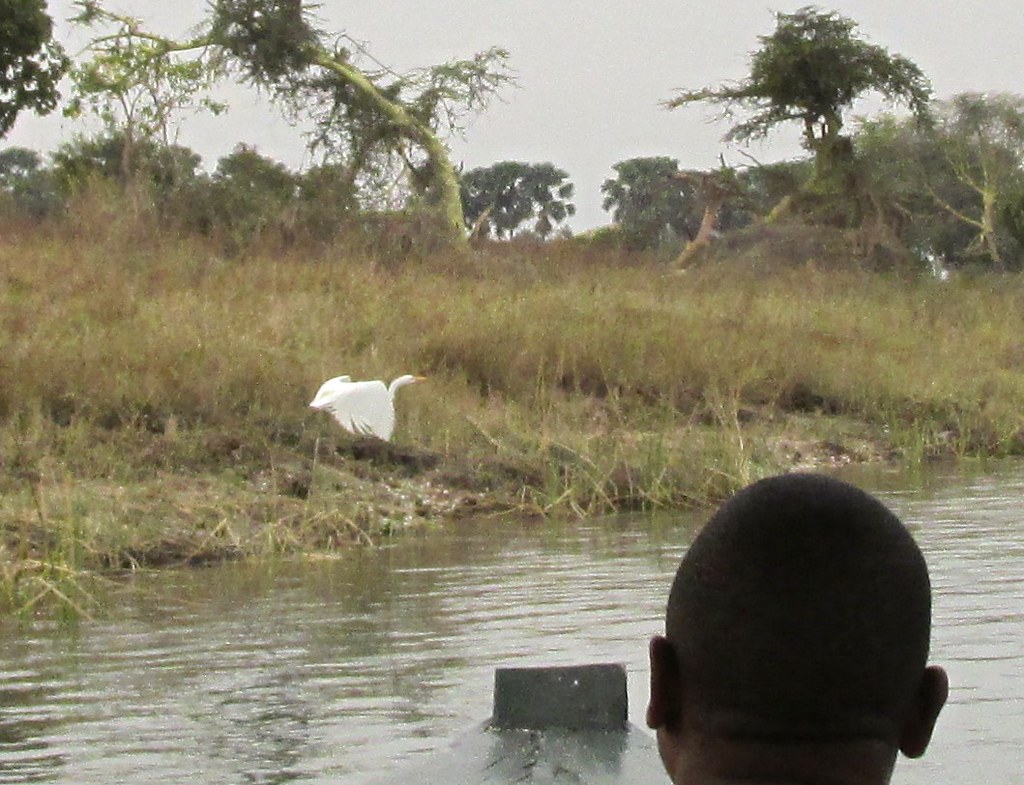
[{"x": 408, "y": 378}]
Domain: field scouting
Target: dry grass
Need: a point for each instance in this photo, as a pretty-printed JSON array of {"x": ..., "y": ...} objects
[{"x": 153, "y": 393}]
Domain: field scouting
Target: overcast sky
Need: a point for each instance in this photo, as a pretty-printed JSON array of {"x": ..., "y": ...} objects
[{"x": 591, "y": 73}]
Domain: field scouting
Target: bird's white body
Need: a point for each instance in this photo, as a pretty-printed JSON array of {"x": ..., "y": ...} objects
[{"x": 364, "y": 408}]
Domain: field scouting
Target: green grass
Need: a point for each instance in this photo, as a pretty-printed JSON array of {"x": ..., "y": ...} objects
[{"x": 153, "y": 392}]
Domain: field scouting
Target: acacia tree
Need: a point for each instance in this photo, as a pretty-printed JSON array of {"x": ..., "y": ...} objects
[
  {"x": 810, "y": 71},
  {"x": 367, "y": 114},
  {"x": 958, "y": 181},
  {"x": 506, "y": 195},
  {"x": 981, "y": 138},
  {"x": 137, "y": 89},
  {"x": 900, "y": 164},
  {"x": 31, "y": 62}
]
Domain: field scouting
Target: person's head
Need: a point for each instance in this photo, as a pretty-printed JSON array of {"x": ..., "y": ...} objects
[{"x": 798, "y": 623}]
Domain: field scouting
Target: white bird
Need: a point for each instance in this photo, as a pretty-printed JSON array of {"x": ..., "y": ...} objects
[{"x": 364, "y": 408}]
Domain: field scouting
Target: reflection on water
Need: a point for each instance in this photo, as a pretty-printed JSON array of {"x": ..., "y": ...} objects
[
  {"x": 318, "y": 672},
  {"x": 973, "y": 537}
]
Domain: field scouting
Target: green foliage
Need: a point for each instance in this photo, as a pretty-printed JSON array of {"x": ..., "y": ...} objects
[
  {"x": 375, "y": 121},
  {"x": 248, "y": 171},
  {"x": 326, "y": 201},
  {"x": 955, "y": 179},
  {"x": 810, "y": 70},
  {"x": 16, "y": 164},
  {"x": 86, "y": 159},
  {"x": 248, "y": 196},
  {"x": 760, "y": 189},
  {"x": 138, "y": 86},
  {"x": 30, "y": 187},
  {"x": 1012, "y": 214},
  {"x": 506, "y": 195},
  {"x": 388, "y": 127},
  {"x": 650, "y": 202},
  {"x": 270, "y": 39},
  {"x": 31, "y": 62},
  {"x": 904, "y": 175},
  {"x": 251, "y": 199},
  {"x": 247, "y": 199},
  {"x": 981, "y": 138}
]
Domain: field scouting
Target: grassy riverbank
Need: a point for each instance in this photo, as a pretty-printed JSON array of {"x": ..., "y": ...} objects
[{"x": 153, "y": 393}]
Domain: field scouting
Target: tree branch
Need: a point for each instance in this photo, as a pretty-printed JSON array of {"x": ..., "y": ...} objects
[{"x": 953, "y": 211}]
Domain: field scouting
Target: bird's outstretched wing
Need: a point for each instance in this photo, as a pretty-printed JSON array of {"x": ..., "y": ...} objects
[
  {"x": 364, "y": 408},
  {"x": 329, "y": 390}
]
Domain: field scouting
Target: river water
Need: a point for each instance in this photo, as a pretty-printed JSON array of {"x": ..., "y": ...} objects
[{"x": 348, "y": 670}]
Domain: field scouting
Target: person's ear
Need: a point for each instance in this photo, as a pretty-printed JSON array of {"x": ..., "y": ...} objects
[
  {"x": 665, "y": 707},
  {"x": 920, "y": 721}
]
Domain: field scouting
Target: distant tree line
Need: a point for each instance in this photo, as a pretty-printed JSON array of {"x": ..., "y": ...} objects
[{"x": 941, "y": 183}]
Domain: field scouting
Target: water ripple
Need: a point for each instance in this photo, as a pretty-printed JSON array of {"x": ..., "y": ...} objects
[{"x": 330, "y": 671}]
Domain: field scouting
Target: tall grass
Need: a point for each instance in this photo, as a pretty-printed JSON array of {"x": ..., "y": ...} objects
[{"x": 158, "y": 389}]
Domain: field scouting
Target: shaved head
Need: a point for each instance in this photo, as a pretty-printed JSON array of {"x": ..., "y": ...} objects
[{"x": 801, "y": 612}]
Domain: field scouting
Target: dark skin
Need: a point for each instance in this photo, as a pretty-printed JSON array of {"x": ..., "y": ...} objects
[{"x": 695, "y": 756}]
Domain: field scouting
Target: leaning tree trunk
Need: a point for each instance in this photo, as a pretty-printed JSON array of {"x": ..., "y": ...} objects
[
  {"x": 708, "y": 225},
  {"x": 443, "y": 190},
  {"x": 988, "y": 229},
  {"x": 715, "y": 189}
]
